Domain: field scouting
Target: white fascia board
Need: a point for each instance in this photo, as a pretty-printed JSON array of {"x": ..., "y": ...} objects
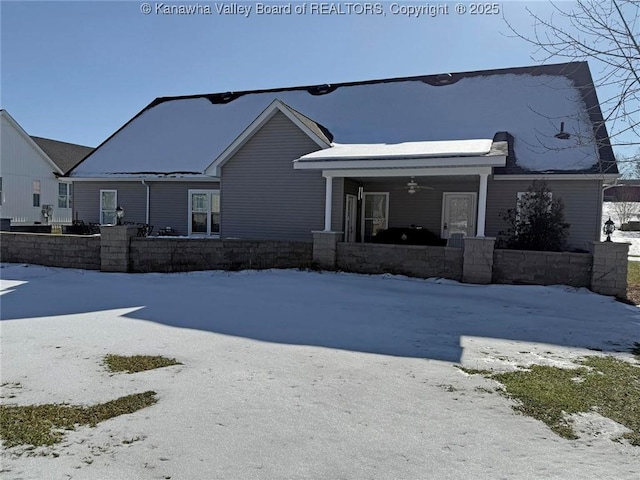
[
  {"x": 425, "y": 162},
  {"x": 31, "y": 142},
  {"x": 408, "y": 172},
  {"x": 606, "y": 177},
  {"x": 253, "y": 128}
]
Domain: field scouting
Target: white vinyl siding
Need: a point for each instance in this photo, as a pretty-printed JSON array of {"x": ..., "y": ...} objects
[{"x": 22, "y": 163}]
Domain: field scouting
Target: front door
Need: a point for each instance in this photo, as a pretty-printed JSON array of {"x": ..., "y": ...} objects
[
  {"x": 350, "y": 218},
  {"x": 458, "y": 214}
]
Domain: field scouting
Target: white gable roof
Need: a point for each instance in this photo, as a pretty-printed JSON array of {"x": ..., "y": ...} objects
[{"x": 188, "y": 134}]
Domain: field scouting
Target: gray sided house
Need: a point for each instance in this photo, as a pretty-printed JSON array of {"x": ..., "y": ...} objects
[{"x": 430, "y": 156}]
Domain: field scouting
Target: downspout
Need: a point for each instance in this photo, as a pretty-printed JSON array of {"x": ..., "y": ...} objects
[{"x": 147, "y": 211}]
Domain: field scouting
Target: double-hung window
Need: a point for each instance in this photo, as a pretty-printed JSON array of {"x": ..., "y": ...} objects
[
  {"x": 64, "y": 195},
  {"x": 36, "y": 193},
  {"x": 108, "y": 202},
  {"x": 204, "y": 212}
]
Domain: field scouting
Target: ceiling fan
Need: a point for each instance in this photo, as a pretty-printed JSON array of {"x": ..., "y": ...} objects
[{"x": 412, "y": 187}]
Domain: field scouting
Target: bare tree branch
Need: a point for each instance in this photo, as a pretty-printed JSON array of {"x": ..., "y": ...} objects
[{"x": 604, "y": 30}]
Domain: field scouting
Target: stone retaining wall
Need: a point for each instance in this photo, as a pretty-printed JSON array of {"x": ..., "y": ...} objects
[
  {"x": 69, "y": 251},
  {"x": 542, "y": 268},
  {"x": 415, "y": 261},
  {"x": 156, "y": 254},
  {"x": 119, "y": 250}
]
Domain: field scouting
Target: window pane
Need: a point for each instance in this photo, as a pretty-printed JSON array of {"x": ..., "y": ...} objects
[
  {"x": 36, "y": 186},
  {"x": 108, "y": 217},
  {"x": 109, "y": 200},
  {"x": 199, "y": 202},
  {"x": 36, "y": 199},
  {"x": 62, "y": 201},
  {"x": 198, "y": 222},
  {"x": 215, "y": 202},
  {"x": 62, "y": 189},
  {"x": 215, "y": 222}
]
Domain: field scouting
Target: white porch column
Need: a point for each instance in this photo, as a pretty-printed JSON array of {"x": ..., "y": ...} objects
[
  {"x": 328, "y": 204},
  {"x": 482, "y": 205}
]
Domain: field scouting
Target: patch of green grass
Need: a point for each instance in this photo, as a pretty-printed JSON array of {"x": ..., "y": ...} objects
[
  {"x": 605, "y": 384},
  {"x": 473, "y": 371},
  {"x": 137, "y": 363},
  {"x": 44, "y": 424},
  {"x": 633, "y": 273}
]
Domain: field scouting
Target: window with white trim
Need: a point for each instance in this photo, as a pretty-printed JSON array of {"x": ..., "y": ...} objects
[
  {"x": 108, "y": 203},
  {"x": 204, "y": 212},
  {"x": 64, "y": 195},
  {"x": 36, "y": 193}
]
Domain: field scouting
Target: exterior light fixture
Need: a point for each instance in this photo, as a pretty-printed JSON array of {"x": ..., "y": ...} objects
[
  {"x": 608, "y": 229},
  {"x": 119, "y": 215},
  {"x": 562, "y": 135}
]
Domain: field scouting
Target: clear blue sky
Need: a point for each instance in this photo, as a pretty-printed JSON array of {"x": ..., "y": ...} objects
[{"x": 77, "y": 71}]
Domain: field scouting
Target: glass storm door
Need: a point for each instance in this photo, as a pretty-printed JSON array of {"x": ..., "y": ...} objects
[
  {"x": 375, "y": 215},
  {"x": 459, "y": 214},
  {"x": 350, "y": 218}
]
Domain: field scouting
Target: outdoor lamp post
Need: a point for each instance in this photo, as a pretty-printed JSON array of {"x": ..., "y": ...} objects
[
  {"x": 608, "y": 229},
  {"x": 119, "y": 215}
]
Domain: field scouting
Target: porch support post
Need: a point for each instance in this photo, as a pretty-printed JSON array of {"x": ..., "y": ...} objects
[
  {"x": 482, "y": 205},
  {"x": 328, "y": 204}
]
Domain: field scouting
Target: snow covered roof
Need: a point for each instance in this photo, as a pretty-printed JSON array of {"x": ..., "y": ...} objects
[
  {"x": 452, "y": 148},
  {"x": 189, "y": 133}
]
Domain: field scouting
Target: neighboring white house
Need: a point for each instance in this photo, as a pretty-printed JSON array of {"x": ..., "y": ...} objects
[{"x": 30, "y": 190}]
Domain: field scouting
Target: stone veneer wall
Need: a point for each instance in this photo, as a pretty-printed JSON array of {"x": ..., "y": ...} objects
[
  {"x": 542, "y": 268},
  {"x": 604, "y": 272},
  {"x": 415, "y": 261},
  {"x": 610, "y": 264},
  {"x": 156, "y": 254},
  {"x": 69, "y": 251}
]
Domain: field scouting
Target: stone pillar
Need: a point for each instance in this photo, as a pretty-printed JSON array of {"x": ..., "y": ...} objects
[
  {"x": 325, "y": 246},
  {"x": 609, "y": 272},
  {"x": 478, "y": 259},
  {"x": 114, "y": 247}
]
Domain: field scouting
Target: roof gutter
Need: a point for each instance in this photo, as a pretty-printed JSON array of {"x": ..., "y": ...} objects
[{"x": 147, "y": 211}]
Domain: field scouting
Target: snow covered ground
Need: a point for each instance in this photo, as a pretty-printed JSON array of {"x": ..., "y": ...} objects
[
  {"x": 290, "y": 374},
  {"x": 619, "y": 236}
]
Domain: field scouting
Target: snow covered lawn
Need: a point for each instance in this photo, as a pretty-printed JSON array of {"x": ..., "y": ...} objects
[{"x": 289, "y": 374}]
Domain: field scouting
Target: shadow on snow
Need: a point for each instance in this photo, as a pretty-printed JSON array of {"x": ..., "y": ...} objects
[{"x": 375, "y": 314}]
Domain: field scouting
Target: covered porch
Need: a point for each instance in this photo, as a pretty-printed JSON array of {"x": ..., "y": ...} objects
[{"x": 424, "y": 192}]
